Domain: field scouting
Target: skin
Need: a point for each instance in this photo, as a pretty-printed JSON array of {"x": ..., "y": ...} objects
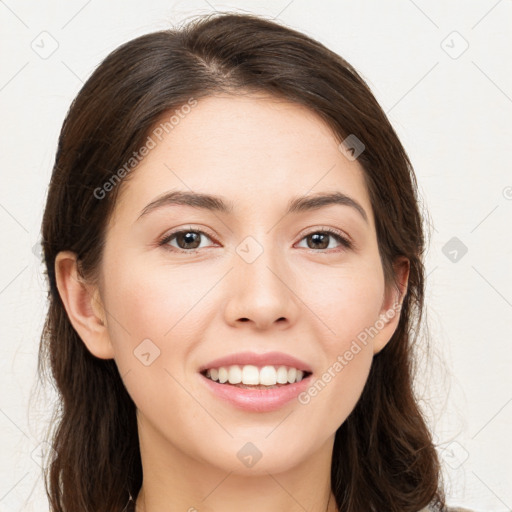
[{"x": 258, "y": 152}]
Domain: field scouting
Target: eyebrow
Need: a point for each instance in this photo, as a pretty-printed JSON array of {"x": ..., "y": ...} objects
[{"x": 219, "y": 204}]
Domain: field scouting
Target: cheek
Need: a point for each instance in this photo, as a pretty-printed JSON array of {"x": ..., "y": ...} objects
[
  {"x": 150, "y": 303},
  {"x": 335, "y": 391},
  {"x": 157, "y": 317},
  {"x": 332, "y": 395},
  {"x": 350, "y": 301},
  {"x": 148, "y": 327},
  {"x": 346, "y": 300}
]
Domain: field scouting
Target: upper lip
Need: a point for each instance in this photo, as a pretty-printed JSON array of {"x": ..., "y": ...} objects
[{"x": 263, "y": 359}]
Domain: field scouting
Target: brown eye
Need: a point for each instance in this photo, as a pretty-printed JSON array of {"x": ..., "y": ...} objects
[
  {"x": 321, "y": 240},
  {"x": 187, "y": 240},
  {"x": 318, "y": 240}
]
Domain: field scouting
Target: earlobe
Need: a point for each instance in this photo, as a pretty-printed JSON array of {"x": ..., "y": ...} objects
[
  {"x": 83, "y": 306},
  {"x": 392, "y": 304}
]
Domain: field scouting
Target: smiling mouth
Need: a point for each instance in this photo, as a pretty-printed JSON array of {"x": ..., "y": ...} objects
[{"x": 254, "y": 377}]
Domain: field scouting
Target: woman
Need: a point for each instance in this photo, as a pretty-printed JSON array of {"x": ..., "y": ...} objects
[{"x": 234, "y": 252}]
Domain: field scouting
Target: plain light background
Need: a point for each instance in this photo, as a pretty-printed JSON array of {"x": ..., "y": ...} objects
[{"x": 441, "y": 70}]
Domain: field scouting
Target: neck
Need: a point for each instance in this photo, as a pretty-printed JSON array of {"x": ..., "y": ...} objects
[
  {"x": 141, "y": 505},
  {"x": 174, "y": 481}
]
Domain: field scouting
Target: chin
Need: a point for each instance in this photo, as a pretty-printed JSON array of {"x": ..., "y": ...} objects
[{"x": 257, "y": 457}]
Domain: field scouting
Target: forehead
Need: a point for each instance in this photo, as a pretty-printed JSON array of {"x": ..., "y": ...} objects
[{"x": 256, "y": 150}]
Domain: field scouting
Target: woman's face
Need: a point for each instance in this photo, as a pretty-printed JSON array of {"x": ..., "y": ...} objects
[{"x": 252, "y": 277}]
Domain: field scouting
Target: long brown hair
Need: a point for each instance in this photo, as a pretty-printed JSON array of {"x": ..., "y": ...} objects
[{"x": 384, "y": 457}]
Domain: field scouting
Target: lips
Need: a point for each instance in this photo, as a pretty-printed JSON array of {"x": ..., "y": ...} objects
[{"x": 256, "y": 398}]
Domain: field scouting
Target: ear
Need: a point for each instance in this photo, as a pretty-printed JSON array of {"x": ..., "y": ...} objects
[
  {"x": 392, "y": 304},
  {"x": 83, "y": 306}
]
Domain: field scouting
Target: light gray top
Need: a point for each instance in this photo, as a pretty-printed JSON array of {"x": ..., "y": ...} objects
[{"x": 449, "y": 509}]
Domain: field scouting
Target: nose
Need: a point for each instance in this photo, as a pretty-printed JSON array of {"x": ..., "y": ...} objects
[{"x": 260, "y": 288}]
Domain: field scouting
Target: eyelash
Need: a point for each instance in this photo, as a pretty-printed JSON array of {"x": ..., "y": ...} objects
[{"x": 345, "y": 242}]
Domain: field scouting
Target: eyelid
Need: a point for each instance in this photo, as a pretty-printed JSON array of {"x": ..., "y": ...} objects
[
  {"x": 345, "y": 241},
  {"x": 169, "y": 234}
]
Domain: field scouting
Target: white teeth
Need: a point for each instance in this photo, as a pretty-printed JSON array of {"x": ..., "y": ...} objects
[
  {"x": 268, "y": 376},
  {"x": 235, "y": 375},
  {"x": 223, "y": 375},
  {"x": 292, "y": 375},
  {"x": 252, "y": 375},
  {"x": 282, "y": 375}
]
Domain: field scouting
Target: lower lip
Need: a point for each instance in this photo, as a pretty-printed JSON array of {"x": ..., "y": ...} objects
[{"x": 257, "y": 400}]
